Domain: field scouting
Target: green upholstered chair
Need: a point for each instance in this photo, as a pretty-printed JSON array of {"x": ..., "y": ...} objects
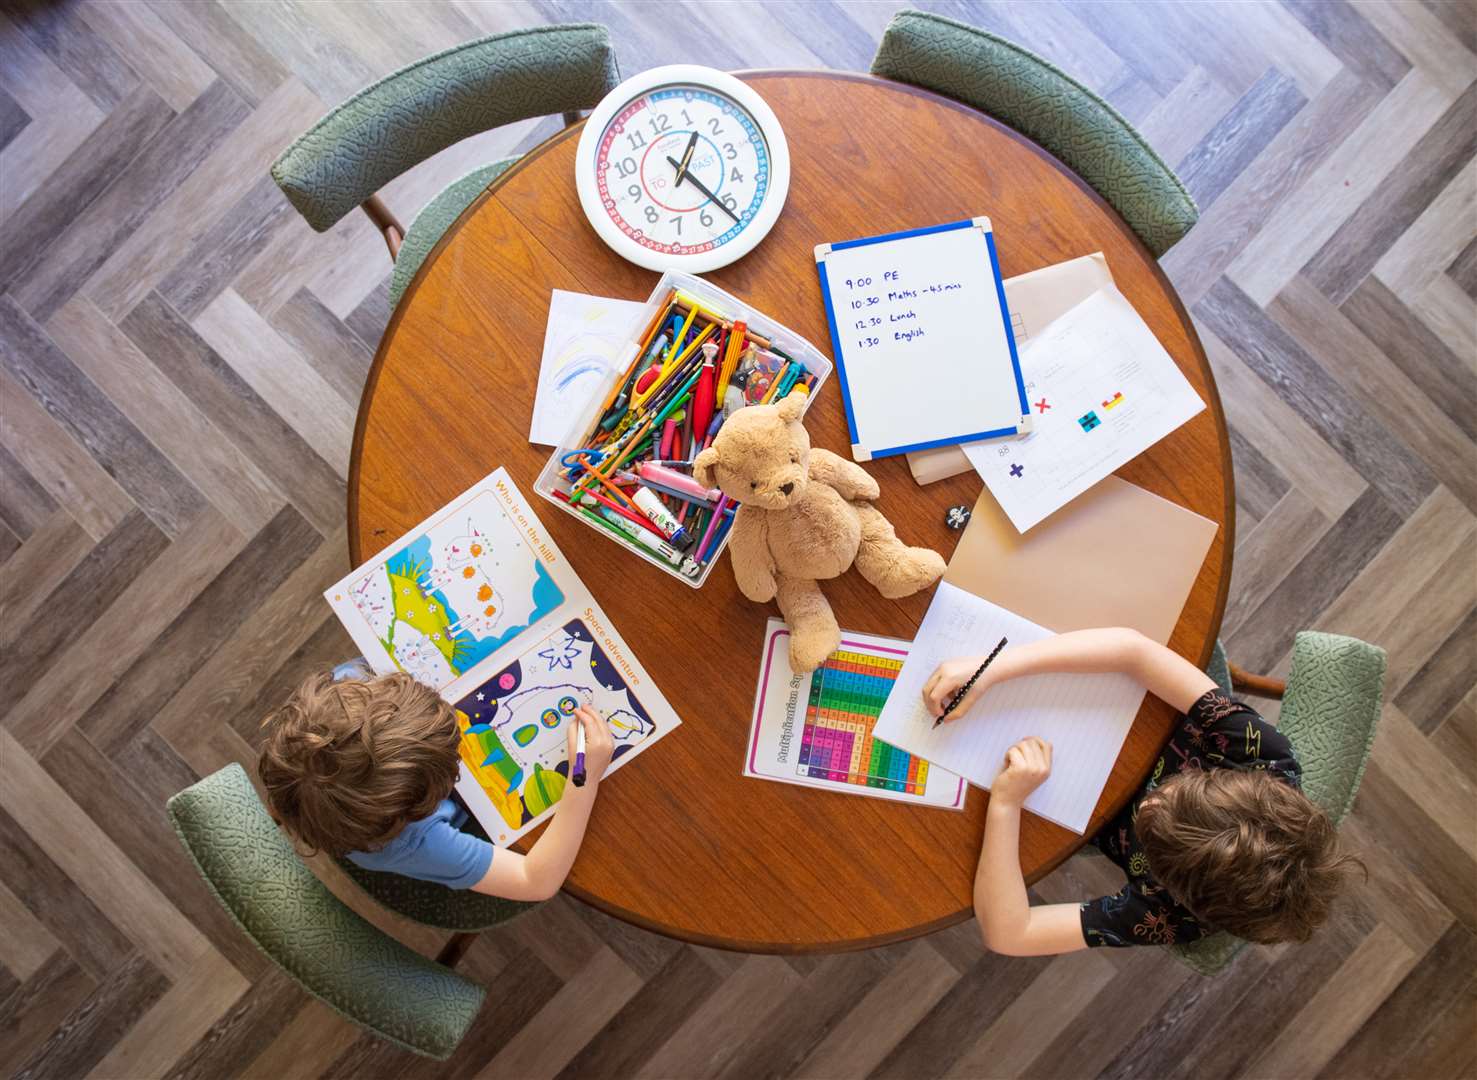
[
  {"x": 434, "y": 905},
  {"x": 1330, "y": 706},
  {"x": 333, "y": 953},
  {"x": 420, "y": 110},
  {"x": 1048, "y": 106}
]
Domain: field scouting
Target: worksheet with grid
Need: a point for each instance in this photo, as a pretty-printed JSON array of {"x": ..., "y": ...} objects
[{"x": 816, "y": 729}]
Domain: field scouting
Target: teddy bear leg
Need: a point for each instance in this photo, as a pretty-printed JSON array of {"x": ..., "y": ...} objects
[
  {"x": 895, "y": 569},
  {"x": 814, "y": 634}
]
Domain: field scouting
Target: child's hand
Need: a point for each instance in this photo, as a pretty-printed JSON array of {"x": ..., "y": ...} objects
[
  {"x": 1027, "y": 765},
  {"x": 599, "y": 746},
  {"x": 945, "y": 682}
]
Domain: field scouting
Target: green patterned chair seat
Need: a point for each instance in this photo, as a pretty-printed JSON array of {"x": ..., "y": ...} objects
[
  {"x": 434, "y": 905},
  {"x": 1334, "y": 694},
  {"x": 1048, "y": 106},
  {"x": 294, "y": 919},
  {"x": 435, "y": 218}
]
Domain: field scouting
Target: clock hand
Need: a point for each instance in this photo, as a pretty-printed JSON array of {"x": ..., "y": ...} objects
[
  {"x": 695, "y": 183},
  {"x": 686, "y": 157}
]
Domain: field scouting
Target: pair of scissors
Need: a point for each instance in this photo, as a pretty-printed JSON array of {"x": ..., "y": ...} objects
[{"x": 577, "y": 461}]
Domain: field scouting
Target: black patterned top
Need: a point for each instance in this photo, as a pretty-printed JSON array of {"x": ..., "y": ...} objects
[{"x": 1217, "y": 733}]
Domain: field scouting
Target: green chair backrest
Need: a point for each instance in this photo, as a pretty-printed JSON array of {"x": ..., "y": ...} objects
[
  {"x": 420, "y": 110},
  {"x": 290, "y": 915},
  {"x": 1048, "y": 106},
  {"x": 1335, "y": 691}
]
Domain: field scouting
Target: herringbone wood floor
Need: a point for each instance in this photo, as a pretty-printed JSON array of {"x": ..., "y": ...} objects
[{"x": 180, "y": 360}]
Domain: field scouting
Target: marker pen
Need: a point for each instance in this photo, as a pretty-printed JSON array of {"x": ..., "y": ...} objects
[
  {"x": 653, "y": 544},
  {"x": 577, "y": 774}
]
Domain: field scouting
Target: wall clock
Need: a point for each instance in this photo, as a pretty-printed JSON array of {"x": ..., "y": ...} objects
[{"x": 682, "y": 168}]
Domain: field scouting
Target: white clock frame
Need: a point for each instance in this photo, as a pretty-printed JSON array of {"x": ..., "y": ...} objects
[{"x": 719, "y": 82}]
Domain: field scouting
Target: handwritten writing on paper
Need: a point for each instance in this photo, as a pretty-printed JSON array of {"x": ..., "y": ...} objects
[
  {"x": 1084, "y": 717},
  {"x": 920, "y": 331},
  {"x": 887, "y": 307}
]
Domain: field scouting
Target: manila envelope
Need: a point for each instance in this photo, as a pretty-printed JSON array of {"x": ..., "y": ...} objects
[
  {"x": 1034, "y": 299},
  {"x": 1116, "y": 555}
]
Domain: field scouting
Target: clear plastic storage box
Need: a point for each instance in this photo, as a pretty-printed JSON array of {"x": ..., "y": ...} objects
[{"x": 552, "y": 483}]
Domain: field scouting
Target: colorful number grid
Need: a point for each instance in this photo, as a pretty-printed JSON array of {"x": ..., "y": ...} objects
[{"x": 846, "y": 696}]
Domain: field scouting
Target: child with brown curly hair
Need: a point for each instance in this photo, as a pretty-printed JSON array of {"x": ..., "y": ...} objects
[
  {"x": 363, "y": 768},
  {"x": 1220, "y": 838}
]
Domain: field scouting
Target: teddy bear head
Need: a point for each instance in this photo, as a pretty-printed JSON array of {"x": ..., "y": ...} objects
[{"x": 761, "y": 454}]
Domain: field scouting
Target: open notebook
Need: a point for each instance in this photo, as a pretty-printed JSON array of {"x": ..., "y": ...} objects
[{"x": 1084, "y": 717}]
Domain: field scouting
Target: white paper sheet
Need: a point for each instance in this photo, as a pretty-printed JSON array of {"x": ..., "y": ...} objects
[
  {"x": 1084, "y": 717},
  {"x": 583, "y": 344},
  {"x": 1102, "y": 390}
]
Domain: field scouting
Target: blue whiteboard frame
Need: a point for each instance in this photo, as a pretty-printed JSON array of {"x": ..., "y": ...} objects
[{"x": 1015, "y": 361}]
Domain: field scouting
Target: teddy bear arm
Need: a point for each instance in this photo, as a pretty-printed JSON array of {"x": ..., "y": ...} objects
[
  {"x": 753, "y": 566},
  {"x": 850, "y": 480}
]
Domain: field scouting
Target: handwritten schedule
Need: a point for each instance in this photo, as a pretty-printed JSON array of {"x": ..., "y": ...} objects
[{"x": 922, "y": 338}]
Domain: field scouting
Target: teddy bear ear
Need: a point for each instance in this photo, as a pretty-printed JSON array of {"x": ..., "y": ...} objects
[
  {"x": 793, "y": 404},
  {"x": 704, "y": 466}
]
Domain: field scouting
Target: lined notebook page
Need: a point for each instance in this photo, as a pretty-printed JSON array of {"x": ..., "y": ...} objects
[{"x": 1084, "y": 717}]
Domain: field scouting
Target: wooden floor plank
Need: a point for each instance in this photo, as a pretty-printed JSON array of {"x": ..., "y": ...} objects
[
  {"x": 151, "y": 480},
  {"x": 164, "y": 415},
  {"x": 176, "y": 1021},
  {"x": 1336, "y": 1011},
  {"x": 109, "y": 878},
  {"x": 182, "y": 360},
  {"x": 158, "y": 169},
  {"x": 102, "y": 651},
  {"x": 62, "y": 117},
  {"x": 585, "y": 1004}
]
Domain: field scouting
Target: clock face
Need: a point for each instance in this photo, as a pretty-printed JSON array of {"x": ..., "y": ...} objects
[
  {"x": 722, "y": 190},
  {"x": 682, "y": 168}
]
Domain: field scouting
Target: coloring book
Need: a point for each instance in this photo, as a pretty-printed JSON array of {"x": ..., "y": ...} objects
[{"x": 478, "y": 602}]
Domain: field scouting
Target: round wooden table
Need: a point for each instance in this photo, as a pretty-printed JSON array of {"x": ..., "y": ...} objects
[{"x": 681, "y": 843}]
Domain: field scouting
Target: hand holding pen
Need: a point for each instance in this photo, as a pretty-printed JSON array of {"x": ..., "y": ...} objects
[
  {"x": 952, "y": 683},
  {"x": 590, "y": 747}
]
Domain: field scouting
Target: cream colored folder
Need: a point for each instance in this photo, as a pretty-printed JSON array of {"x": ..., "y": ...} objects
[
  {"x": 1034, "y": 299},
  {"x": 1117, "y": 555}
]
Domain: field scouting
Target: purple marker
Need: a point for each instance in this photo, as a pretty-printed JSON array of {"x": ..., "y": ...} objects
[{"x": 578, "y": 775}]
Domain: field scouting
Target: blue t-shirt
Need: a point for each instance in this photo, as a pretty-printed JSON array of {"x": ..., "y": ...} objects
[{"x": 433, "y": 848}]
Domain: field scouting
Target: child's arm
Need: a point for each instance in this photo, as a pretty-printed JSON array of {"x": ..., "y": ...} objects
[
  {"x": 539, "y": 874},
  {"x": 1008, "y": 922},
  {"x": 1163, "y": 672}
]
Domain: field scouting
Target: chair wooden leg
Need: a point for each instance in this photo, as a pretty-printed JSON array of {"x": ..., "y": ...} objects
[
  {"x": 386, "y": 222},
  {"x": 1259, "y": 685},
  {"x": 455, "y": 948}
]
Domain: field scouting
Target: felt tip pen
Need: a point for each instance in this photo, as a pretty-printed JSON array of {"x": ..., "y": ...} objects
[
  {"x": 578, "y": 773},
  {"x": 646, "y": 540}
]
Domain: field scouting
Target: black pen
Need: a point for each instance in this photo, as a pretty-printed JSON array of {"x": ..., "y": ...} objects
[{"x": 967, "y": 687}]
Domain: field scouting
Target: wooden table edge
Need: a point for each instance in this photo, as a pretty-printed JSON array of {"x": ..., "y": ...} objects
[{"x": 1217, "y": 413}]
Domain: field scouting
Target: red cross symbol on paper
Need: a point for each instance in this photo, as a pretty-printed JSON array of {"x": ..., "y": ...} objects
[{"x": 1042, "y": 406}]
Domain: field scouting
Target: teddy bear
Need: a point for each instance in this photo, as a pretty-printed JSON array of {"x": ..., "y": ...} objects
[{"x": 805, "y": 515}]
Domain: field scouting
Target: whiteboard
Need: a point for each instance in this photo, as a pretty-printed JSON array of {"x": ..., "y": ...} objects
[{"x": 923, "y": 339}]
